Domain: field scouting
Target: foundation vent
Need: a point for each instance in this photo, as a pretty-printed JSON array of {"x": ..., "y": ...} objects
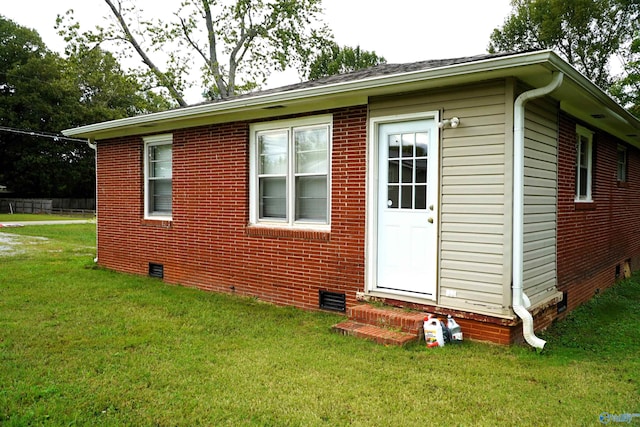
[
  {"x": 333, "y": 301},
  {"x": 156, "y": 270},
  {"x": 562, "y": 305}
]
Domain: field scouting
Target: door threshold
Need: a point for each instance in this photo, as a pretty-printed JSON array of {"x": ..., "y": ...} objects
[{"x": 381, "y": 295}]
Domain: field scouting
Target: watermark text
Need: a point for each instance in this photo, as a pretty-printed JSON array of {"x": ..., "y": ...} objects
[{"x": 606, "y": 418}]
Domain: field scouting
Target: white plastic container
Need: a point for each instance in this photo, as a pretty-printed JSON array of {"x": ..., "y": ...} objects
[
  {"x": 456, "y": 331},
  {"x": 433, "y": 334}
]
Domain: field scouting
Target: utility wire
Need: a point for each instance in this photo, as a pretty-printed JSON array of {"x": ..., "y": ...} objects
[{"x": 40, "y": 134}]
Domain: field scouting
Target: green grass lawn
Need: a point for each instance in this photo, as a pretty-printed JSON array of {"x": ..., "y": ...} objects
[
  {"x": 85, "y": 346},
  {"x": 41, "y": 217}
]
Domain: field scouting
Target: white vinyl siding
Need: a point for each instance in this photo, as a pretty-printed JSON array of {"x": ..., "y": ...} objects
[
  {"x": 475, "y": 201},
  {"x": 540, "y": 199}
]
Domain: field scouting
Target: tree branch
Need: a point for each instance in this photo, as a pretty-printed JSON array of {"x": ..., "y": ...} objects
[
  {"x": 212, "y": 63},
  {"x": 162, "y": 77}
]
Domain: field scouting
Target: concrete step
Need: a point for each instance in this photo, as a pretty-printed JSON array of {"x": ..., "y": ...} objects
[{"x": 380, "y": 335}]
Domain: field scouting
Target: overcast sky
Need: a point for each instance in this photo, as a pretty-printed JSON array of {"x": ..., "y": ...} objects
[{"x": 399, "y": 30}]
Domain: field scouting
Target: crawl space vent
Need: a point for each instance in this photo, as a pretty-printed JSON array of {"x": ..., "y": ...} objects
[
  {"x": 333, "y": 301},
  {"x": 156, "y": 270},
  {"x": 562, "y": 305}
]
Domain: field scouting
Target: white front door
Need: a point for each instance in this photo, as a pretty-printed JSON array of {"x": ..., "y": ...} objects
[{"x": 407, "y": 208}]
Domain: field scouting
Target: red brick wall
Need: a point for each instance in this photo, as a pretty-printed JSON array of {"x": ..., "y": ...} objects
[
  {"x": 595, "y": 237},
  {"x": 209, "y": 244}
]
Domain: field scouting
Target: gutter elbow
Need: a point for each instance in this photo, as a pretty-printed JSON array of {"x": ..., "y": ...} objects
[{"x": 527, "y": 328}]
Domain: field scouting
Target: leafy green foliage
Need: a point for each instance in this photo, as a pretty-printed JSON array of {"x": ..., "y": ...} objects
[
  {"x": 36, "y": 96},
  {"x": 585, "y": 32},
  {"x": 236, "y": 44},
  {"x": 627, "y": 88},
  {"x": 336, "y": 60},
  {"x": 42, "y": 92}
]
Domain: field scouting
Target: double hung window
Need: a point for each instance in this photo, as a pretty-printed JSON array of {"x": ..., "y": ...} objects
[
  {"x": 158, "y": 165},
  {"x": 584, "y": 160},
  {"x": 290, "y": 171},
  {"x": 622, "y": 164}
]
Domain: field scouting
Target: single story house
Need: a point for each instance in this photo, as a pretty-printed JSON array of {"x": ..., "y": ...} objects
[{"x": 503, "y": 189}]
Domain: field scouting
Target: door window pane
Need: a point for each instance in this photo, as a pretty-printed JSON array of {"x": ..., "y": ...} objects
[
  {"x": 407, "y": 170},
  {"x": 421, "y": 171},
  {"x": 421, "y": 197},
  {"x": 407, "y": 144},
  {"x": 393, "y": 196},
  {"x": 394, "y": 171},
  {"x": 407, "y": 196},
  {"x": 422, "y": 144},
  {"x": 394, "y": 146}
]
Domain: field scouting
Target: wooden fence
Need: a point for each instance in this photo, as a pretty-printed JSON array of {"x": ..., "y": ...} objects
[{"x": 47, "y": 206}]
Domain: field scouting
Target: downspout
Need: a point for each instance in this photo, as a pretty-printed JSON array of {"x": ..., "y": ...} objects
[
  {"x": 520, "y": 301},
  {"x": 91, "y": 143}
]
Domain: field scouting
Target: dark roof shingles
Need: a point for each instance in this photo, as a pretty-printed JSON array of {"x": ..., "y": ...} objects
[{"x": 375, "y": 71}]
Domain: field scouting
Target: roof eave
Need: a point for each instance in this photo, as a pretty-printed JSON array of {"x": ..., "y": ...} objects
[
  {"x": 367, "y": 85},
  {"x": 608, "y": 115},
  {"x": 357, "y": 92}
]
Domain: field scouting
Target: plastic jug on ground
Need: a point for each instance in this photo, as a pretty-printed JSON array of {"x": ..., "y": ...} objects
[{"x": 433, "y": 333}]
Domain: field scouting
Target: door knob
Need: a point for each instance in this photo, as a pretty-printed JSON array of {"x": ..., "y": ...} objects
[{"x": 430, "y": 220}]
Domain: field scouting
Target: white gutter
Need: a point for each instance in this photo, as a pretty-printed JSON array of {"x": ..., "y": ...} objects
[
  {"x": 94, "y": 147},
  {"x": 520, "y": 301}
]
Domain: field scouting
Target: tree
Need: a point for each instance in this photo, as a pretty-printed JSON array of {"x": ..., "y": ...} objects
[
  {"x": 42, "y": 93},
  {"x": 627, "y": 88},
  {"x": 237, "y": 43},
  {"x": 587, "y": 33},
  {"x": 106, "y": 92},
  {"x": 32, "y": 93},
  {"x": 336, "y": 60}
]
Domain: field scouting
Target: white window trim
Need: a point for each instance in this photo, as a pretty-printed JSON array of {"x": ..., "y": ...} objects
[
  {"x": 150, "y": 141},
  {"x": 582, "y": 131},
  {"x": 288, "y": 125}
]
